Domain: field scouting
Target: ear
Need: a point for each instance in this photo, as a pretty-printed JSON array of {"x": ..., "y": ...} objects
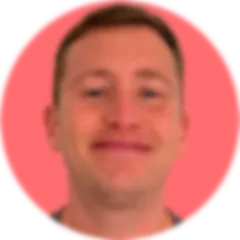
[
  {"x": 51, "y": 125},
  {"x": 185, "y": 125}
]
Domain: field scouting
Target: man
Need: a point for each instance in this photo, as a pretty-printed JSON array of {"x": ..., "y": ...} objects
[{"x": 118, "y": 120}]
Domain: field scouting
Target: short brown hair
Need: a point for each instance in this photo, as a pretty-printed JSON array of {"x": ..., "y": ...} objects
[{"x": 114, "y": 15}]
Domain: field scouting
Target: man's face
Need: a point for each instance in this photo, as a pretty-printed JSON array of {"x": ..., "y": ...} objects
[{"x": 119, "y": 124}]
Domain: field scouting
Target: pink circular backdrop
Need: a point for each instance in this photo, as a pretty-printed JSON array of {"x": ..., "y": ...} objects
[{"x": 203, "y": 186}]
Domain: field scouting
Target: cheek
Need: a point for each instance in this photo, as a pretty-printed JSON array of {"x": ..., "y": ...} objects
[
  {"x": 168, "y": 130},
  {"x": 79, "y": 126},
  {"x": 166, "y": 125}
]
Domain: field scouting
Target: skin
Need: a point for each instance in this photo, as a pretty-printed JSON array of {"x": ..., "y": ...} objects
[{"x": 119, "y": 84}]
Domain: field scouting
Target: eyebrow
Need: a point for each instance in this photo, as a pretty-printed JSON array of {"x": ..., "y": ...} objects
[
  {"x": 98, "y": 72},
  {"x": 149, "y": 73},
  {"x": 143, "y": 73}
]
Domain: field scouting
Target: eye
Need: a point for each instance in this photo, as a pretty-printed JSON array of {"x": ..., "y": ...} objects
[
  {"x": 94, "y": 93},
  {"x": 149, "y": 93}
]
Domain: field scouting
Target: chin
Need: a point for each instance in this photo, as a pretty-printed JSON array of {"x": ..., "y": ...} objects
[{"x": 123, "y": 184}]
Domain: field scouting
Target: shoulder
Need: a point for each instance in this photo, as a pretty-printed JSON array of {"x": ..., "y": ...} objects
[
  {"x": 53, "y": 221},
  {"x": 181, "y": 225}
]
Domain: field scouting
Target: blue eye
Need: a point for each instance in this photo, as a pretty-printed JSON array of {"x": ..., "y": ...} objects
[
  {"x": 149, "y": 94},
  {"x": 94, "y": 93}
]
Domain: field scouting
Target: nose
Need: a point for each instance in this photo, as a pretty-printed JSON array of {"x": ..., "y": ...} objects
[{"x": 123, "y": 114}]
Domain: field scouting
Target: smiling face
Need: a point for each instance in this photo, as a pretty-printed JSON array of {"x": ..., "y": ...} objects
[{"x": 119, "y": 124}]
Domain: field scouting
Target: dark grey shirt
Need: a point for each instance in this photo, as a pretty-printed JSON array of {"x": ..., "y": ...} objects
[{"x": 180, "y": 225}]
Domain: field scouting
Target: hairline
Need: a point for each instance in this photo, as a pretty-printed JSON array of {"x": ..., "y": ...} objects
[{"x": 80, "y": 31}]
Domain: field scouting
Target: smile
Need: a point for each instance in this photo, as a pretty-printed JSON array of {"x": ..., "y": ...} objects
[{"x": 122, "y": 146}]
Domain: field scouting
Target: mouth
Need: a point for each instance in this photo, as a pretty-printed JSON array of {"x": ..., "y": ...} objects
[{"x": 122, "y": 146}]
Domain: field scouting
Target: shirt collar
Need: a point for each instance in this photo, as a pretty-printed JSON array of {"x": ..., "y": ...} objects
[{"x": 54, "y": 219}]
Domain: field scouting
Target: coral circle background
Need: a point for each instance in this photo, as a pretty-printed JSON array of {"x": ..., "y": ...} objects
[{"x": 203, "y": 186}]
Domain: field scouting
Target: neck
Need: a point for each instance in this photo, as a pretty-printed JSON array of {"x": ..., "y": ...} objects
[{"x": 116, "y": 215}]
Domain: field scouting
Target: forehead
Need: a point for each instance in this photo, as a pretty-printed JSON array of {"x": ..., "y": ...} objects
[{"x": 120, "y": 48}]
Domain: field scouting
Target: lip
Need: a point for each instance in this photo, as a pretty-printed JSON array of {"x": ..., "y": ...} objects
[{"x": 122, "y": 146}]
